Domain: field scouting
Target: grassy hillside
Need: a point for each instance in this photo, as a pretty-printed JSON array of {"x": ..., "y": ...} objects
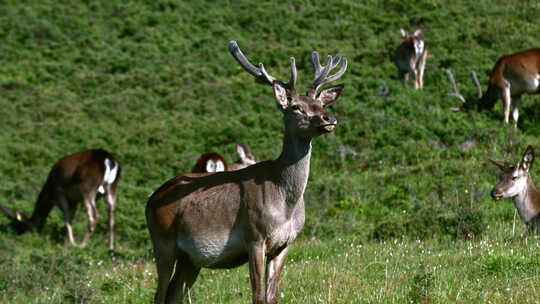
[{"x": 153, "y": 83}]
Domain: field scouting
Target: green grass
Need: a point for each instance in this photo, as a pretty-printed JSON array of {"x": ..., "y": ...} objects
[{"x": 153, "y": 83}]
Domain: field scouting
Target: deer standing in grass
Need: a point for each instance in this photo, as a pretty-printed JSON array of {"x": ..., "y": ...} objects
[
  {"x": 410, "y": 58},
  {"x": 512, "y": 76},
  {"x": 515, "y": 182},
  {"x": 211, "y": 162},
  {"x": 226, "y": 219},
  {"x": 78, "y": 177}
]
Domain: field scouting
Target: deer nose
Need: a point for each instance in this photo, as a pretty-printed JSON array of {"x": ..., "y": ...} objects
[
  {"x": 496, "y": 194},
  {"x": 329, "y": 119}
]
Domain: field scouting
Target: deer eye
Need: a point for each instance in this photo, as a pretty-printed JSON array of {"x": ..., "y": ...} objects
[{"x": 514, "y": 178}]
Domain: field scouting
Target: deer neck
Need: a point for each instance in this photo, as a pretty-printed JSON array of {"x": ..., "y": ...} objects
[
  {"x": 43, "y": 207},
  {"x": 528, "y": 202},
  {"x": 294, "y": 167}
]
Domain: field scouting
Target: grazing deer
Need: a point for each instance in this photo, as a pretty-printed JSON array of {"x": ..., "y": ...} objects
[
  {"x": 512, "y": 76},
  {"x": 78, "y": 177},
  {"x": 226, "y": 219},
  {"x": 411, "y": 57},
  {"x": 212, "y": 162},
  {"x": 515, "y": 182}
]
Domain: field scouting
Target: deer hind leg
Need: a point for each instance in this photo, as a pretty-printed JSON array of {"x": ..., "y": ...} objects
[
  {"x": 273, "y": 270},
  {"x": 414, "y": 75},
  {"x": 165, "y": 254},
  {"x": 110, "y": 197},
  {"x": 515, "y": 111},
  {"x": 256, "y": 272},
  {"x": 421, "y": 67},
  {"x": 68, "y": 216},
  {"x": 90, "y": 204},
  {"x": 184, "y": 277}
]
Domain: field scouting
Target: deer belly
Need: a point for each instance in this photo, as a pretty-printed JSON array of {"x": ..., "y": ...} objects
[
  {"x": 225, "y": 250},
  {"x": 528, "y": 85},
  {"x": 282, "y": 235}
]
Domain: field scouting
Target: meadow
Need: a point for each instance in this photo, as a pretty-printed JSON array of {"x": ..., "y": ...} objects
[{"x": 397, "y": 204}]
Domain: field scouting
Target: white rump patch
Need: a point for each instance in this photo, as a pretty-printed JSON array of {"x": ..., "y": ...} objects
[
  {"x": 216, "y": 166},
  {"x": 210, "y": 166},
  {"x": 111, "y": 170},
  {"x": 220, "y": 167},
  {"x": 418, "y": 47}
]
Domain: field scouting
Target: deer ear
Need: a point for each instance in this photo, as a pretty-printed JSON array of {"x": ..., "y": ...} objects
[
  {"x": 500, "y": 164},
  {"x": 240, "y": 151},
  {"x": 417, "y": 32},
  {"x": 403, "y": 32},
  {"x": 329, "y": 95},
  {"x": 280, "y": 93},
  {"x": 528, "y": 159}
]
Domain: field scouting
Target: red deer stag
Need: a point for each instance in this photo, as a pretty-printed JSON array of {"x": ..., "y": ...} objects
[
  {"x": 74, "y": 178},
  {"x": 211, "y": 162},
  {"x": 410, "y": 58},
  {"x": 515, "y": 182},
  {"x": 226, "y": 219},
  {"x": 512, "y": 76}
]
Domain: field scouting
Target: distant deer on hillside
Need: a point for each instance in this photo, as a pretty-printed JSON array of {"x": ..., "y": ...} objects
[
  {"x": 515, "y": 182},
  {"x": 215, "y": 162},
  {"x": 512, "y": 76},
  {"x": 410, "y": 58},
  {"x": 77, "y": 177},
  {"x": 226, "y": 219}
]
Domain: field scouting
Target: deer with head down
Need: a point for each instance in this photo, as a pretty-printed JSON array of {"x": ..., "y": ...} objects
[
  {"x": 79, "y": 177},
  {"x": 515, "y": 182},
  {"x": 410, "y": 58},
  {"x": 511, "y": 77},
  {"x": 226, "y": 219}
]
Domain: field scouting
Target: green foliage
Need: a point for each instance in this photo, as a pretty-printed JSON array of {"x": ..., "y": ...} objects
[{"x": 153, "y": 83}]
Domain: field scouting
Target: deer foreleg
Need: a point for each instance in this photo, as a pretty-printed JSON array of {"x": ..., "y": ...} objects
[
  {"x": 506, "y": 100},
  {"x": 256, "y": 271},
  {"x": 90, "y": 204},
  {"x": 414, "y": 75},
  {"x": 64, "y": 205},
  {"x": 515, "y": 111},
  {"x": 273, "y": 271},
  {"x": 421, "y": 67}
]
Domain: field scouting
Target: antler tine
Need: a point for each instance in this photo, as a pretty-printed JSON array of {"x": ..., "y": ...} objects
[
  {"x": 454, "y": 86},
  {"x": 261, "y": 71},
  {"x": 477, "y": 83},
  {"x": 321, "y": 72},
  {"x": 8, "y": 211}
]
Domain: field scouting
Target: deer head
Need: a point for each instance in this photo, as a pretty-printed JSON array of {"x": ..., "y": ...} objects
[
  {"x": 514, "y": 179},
  {"x": 466, "y": 103},
  {"x": 304, "y": 115}
]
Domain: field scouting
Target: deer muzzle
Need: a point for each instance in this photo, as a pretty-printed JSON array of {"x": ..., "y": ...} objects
[{"x": 496, "y": 194}]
